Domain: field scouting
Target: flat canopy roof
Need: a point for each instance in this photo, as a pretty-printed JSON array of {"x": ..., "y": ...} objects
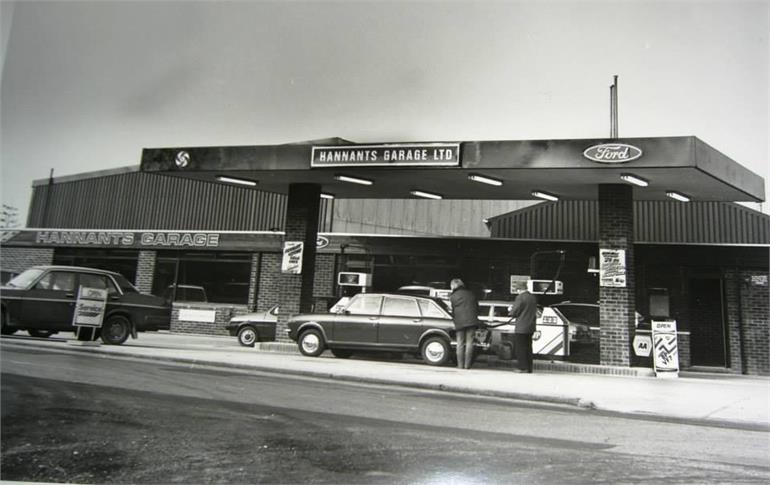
[{"x": 570, "y": 169}]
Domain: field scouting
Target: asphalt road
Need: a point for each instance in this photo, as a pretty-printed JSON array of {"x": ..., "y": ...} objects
[{"x": 91, "y": 418}]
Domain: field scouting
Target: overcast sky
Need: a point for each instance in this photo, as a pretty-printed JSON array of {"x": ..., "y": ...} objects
[{"x": 87, "y": 85}]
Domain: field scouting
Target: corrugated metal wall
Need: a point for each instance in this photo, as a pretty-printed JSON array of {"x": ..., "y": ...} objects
[
  {"x": 411, "y": 217},
  {"x": 147, "y": 201},
  {"x": 654, "y": 222},
  {"x": 138, "y": 200}
]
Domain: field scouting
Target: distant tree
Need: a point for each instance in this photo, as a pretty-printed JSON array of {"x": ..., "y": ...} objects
[{"x": 9, "y": 217}]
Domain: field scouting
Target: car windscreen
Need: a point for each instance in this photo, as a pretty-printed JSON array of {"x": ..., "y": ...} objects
[
  {"x": 124, "y": 284},
  {"x": 25, "y": 279}
]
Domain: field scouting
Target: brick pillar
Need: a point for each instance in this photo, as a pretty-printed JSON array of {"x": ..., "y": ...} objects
[
  {"x": 616, "y": 305},
  {"x": 296, "y": 290},
  {"x": 748, "y": 320},
  {"x": 145, "y": 271}
]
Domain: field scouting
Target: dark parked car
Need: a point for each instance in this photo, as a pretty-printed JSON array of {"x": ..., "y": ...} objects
[
  {"x": 379, "y": 322},
  {"x": 42, "y": 299},
  {"x": 254, "y": 327}
]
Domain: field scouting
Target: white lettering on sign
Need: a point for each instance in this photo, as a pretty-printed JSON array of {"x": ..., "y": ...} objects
[
  {"x": 412, "y": 154},
  {"x": 612, "y": 153},
  {"x": 85, "y": 238},
  {"x": 180, "y": 239}
]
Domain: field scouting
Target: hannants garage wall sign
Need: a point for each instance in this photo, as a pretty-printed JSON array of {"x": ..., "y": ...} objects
[{"x": 403, "y": 154}]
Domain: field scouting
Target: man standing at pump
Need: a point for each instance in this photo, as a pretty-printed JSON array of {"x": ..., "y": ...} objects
[
  {"x": 524, "y": 310},
  {"x": 465, "y": 313}
]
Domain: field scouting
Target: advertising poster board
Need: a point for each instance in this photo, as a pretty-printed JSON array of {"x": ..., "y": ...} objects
[
  {"x": 89, "y": 308},
  {"x": 292, "y": 257},
  {"x": 665, "y": 349},
  {"x": 612, "y": 268}
]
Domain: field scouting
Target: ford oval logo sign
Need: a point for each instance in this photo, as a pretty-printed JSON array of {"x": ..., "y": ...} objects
[
  {"x": 321, "y": 242},
  {"x": 612, "y": 153}
]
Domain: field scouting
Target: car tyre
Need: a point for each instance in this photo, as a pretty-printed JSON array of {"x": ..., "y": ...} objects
[
  {"x": 116, "y": 330},
  {"x": 311, "y": 343},
  {"x": 341, "y": 353},
  {"x": 436, "y": 351},
  {"x": 247, "y": 336},
  {"x": 40, "y": 333}
]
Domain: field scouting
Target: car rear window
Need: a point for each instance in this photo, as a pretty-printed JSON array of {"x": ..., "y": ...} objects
[
  {"x": 430, "y": 309},
  {"x": 580, "y": 314}
]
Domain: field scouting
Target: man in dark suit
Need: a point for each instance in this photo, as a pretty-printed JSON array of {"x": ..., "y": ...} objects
[
  {"x": 465, "y": 313},
  {"x": 525, "y": 312}
]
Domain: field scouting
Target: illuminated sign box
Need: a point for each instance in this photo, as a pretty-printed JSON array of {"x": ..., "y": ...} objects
[
  {"x": 354, "y": 279},
  {"x": 538, "y": 287}
]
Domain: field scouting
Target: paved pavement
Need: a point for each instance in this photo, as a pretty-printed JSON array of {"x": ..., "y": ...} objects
[{"x": 715, "y": 398}]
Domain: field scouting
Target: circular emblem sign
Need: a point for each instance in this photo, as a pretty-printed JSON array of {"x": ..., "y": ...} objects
[
  {"x": 182, "y": 159},
  {"x": 321, "y": 242},
  {"x": 612, "y": 153}
]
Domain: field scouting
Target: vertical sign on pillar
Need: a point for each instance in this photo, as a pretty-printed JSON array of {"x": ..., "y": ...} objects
[
  {"x": 665, "y": 349},
  {"x": 292, "y": 257},
  {"x": 612, "y": 268}
]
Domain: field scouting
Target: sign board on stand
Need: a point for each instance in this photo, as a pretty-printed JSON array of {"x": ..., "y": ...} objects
[
  {"x": 665, "y": 349},
  {"x": 89, "y": 310}
]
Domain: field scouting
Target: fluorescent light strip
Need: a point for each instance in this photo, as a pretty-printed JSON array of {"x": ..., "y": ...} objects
[
  {"x": 678, "y": 196},
  {"x": 231, "y": 180},
  {"x": 353, "y": 180},
  {"x": 634, "y": 179},
  {"x": 545, "y": 195},
  {"x": 485, "y": 180},
  {"x": 326, "y": 196},
  {"x": 425, "y": 195}
]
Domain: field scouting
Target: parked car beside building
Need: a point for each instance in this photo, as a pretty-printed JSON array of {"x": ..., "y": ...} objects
[
  {"x": 379, "y": 322},
  {"x": 254, "y": 327},
  {"x": 42, "y": 299}
]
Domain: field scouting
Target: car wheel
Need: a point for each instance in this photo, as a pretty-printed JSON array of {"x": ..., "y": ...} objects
[
  {"x": 115, "y": 330},
  {"x": 247, "y": 336},
  {"x": 436, "y": 351},
  {"x": 341, "y": 353},
  {"x": 40, "y": 333},
  {"x": 4, "y": 328},
  {"x": 311, "y": 343}
]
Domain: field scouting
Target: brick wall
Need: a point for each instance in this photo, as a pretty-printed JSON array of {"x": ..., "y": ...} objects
[
  {"x": 748, "y": 320},
  {"x": 616, "y": 226},
  {"x": 145, "y": 271},
  {"x": 323, "y": 283},
  {"x": 19, "y": 259}
]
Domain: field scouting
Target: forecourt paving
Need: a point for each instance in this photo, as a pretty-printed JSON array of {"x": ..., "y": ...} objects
[{"x": 713, "y": 398}]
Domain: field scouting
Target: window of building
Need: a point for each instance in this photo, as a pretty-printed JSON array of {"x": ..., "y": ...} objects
[
  {"x": 118, "y": 260},
  {"x": 222, "y": 277}
]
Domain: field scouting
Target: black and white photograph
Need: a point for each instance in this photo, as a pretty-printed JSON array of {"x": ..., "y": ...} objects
[{"x": 384, "y": 242}]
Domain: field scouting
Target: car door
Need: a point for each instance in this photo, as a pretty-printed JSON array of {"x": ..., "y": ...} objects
[
  {"x": 50, "y": 303},
  {"x": 357, "y": 324},
  {"x": 400, "y": 322}
]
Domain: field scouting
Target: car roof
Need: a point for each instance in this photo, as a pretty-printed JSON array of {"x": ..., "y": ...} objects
[
  {"x": 495, "y": 302},
  {"x": 570, "y": 303},
  {"x": 81, "y": 269}
]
